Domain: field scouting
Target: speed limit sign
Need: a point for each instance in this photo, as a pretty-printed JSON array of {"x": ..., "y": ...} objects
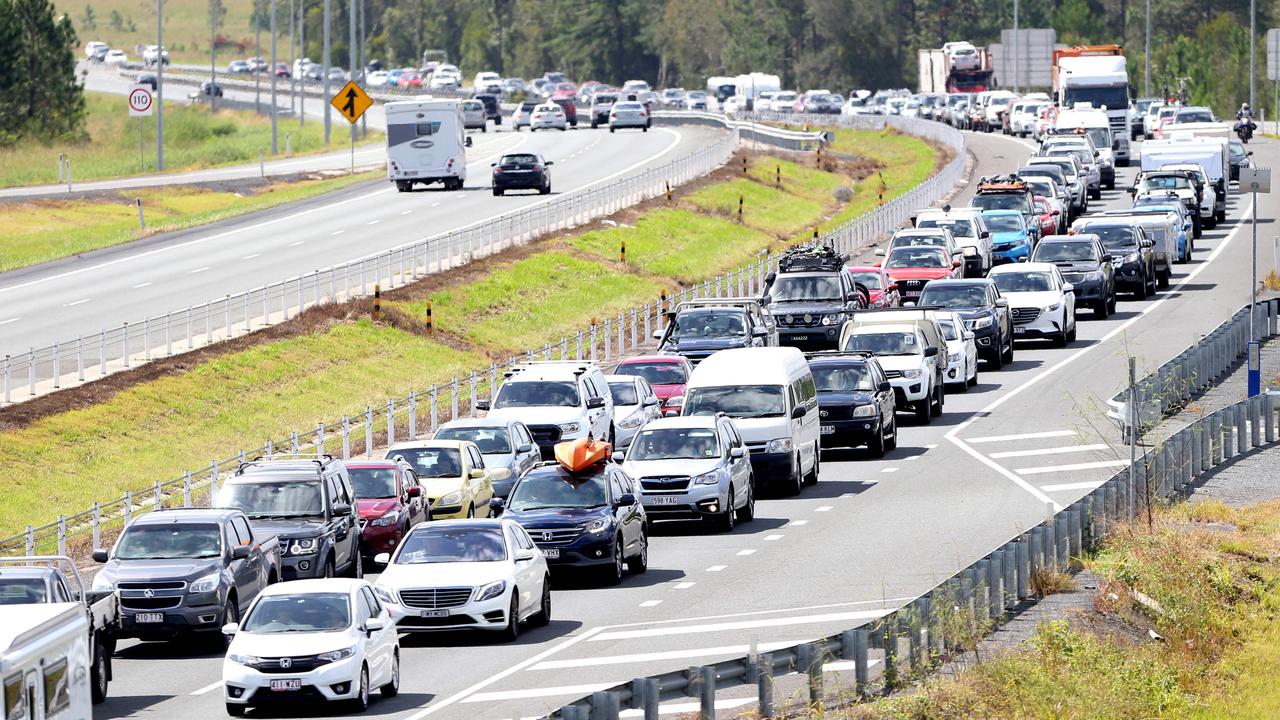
[{"x": 140, "y": 100}]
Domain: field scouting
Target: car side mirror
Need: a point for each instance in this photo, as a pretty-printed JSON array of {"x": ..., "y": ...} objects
[
  {"x": 876, "y": 264},
  {"x": 373, "y": 625},
  {"x": 892, "y": 286},
  {"x": 382, "y": 558},
  {"x": 549, "y": 163},
  {"x": 527, "y": 447},
  {"x": 341, "y": 509},
  {"x": 657, "y": 334},
  {"x": 467, "y": 142},
  {"x": 1068, "y": 287},
  {"x": 493, "y": 164},
  {"x": 770, "y": 277},
  {"x": 799, "y": 411},
  {"x": 1056, "y": 213},
  {"x": 626, "y": 500},
  {"x": 1106, "y": 258},
  {"x": 230, "y": 629},
  {"x": 1022, "y": 259},
  {"x": 1249, "y": 154},
  {"x": 737, "y": 452},
  {"x": 759, "y": 332},
  {"x": 595, "y": 403},
  {"x": 240, "y": 552},
  {"x": 879, "y": 252},
  {"x": 475, "y": 474},
  {"x": 913, "y": 221},
  {"x": 956, "y": 263},
  {"x": 1002, "y": 302},
  {"x": 413, "y": 491},
  {"x": 525, "y": 556},
  {"x": 483, "y": 405},
  {"x": 931, "y": 352},
  {"x": 1133, "y": 192},
  {"x": 985, "y": 234},
  {"x": 885, "y": 386},
  {"x": 497, "y": 505},
  {"x": 100, "y": 555},
  {"x": 618, "y": 456},
  {"x": 650, "y": 402}
]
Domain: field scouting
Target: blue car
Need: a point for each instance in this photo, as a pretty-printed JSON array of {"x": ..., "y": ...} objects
[{"x": 1010, "y": 236}]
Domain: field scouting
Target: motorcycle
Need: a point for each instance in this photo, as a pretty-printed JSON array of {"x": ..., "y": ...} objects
[{"x": 1244, "y": 130}]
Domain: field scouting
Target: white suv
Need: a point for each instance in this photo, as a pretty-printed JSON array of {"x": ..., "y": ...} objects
[
  {"x": 908, "y": 362},
  {"x": 558, "y": 401},
  {"x": 969, "y": 228}
]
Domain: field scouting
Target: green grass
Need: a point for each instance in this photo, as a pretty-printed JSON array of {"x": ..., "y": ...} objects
[
  {"x": 536, "y": 300},
  {"x": 152, "y": 431},
  {"x": 193, "y": 139},
  {"x": 804, "y": 180},
  {"x": 907, "y": 162},
  {"x": 43, "y": 230},
  {"x": 186, "y": 27},
  {"x": 678, "y": 244},
  {"x": 764, "y": 208}
]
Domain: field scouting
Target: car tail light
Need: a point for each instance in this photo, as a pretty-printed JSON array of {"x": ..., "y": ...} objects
[
  {"x": 449, "y": 165},
  {"x": 613, "y": 116}
]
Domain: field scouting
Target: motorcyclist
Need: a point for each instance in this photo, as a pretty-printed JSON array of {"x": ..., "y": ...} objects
[
  {"x": 1244, "y": 123},
  {"x": 1244, "y": 113}
]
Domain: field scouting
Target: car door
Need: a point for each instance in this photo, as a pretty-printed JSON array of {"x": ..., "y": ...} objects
[
  {"x": 1068, "y": 299},
  {"x": 482, "y": 487},
  {"x": 374, "y": 644},
  {"x": 249, "y": 574},
  {"x": 343, "y": 538},
  {"x": 528, "y": 459},
  {"x": 725, "y": 436},
  {"x": 527, "y": 581},
  {"x": 417, "y": 505},
  {"x": 627, "y": 516}
]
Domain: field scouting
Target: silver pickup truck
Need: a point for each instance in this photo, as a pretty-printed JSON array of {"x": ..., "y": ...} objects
[{"x": 54, "y": 579}]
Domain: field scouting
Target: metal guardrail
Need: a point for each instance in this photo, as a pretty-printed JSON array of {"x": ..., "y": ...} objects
[
  {"x": 423, "y": 410},
  {"x": 939, "y": 622}
]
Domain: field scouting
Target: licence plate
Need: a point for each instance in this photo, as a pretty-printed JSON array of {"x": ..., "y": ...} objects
[
  {"x": 828, "y": 429},
  {"x": 434, "y": 613},
  {"x": 149, "y": 618},
  {"x": 663, "y": 500},
  {"x": 288, "y": 685},
  {"x": 552, "y": 553},
  {"x": 799, "y": 337},
  {"x": 1019, "y": 331}
]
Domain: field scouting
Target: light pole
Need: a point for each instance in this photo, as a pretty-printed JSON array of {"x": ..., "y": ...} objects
[
  {"x": 1146, "y": 57},
  {"x": 213, "y": 54},
  {"x": 324, "y": 65},
  {"x": 275, "y": 143},
  {"x": 353, "y": 56},
  {"x": 160, "y": 87},
  {"x": 293, "y": 55},
  {"x": 302, "y": 53},
  {"x": 1253, "y": 72},
  {"x": 1015, "y": 46},
  {"x": 257, "y": 52}
]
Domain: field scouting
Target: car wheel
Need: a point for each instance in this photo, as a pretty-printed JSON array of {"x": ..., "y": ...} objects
[
  {"x": 543, "y": 617},
  {"x": 612, "y": 129},
  {"x": 511, "y": 632},
  {"x": 876, "y": 446},
  {"x": 1111, "y": 306},
  {"x": 230, "y": 614},
  {"x": 1101, "y": 309},
  {"x": 357, "y": 565},
  {"x": 328, "y": 569},
  {"x": 924, "y": 415},
  {"x": 973, "y": 381},
  {"x": 747, "y": 512},
  {"x": 613, "y": 573},
  {"x": 1061, "y": 340},
  {"x": 938, "y": 394},
  {"x": 892, "y": 442},
  {"x": 640, "y": 561},
  {"x": 235, "y": 710},
  {"x": 100, "y": 674},
  {"x": 594, "y": 125},
  {"x": 1141, "y": 292},
  {"x": 471, "y": 511},
  {"x": 1071, "y": 334},
  {"x": 812, "y": 477},
  {"x": 794, "y": 481},
  {"x": 1008, "y": 355},
  {"x": 547, "y": 189},
  {"x": 392, "y": 688},
  {"x": 645, "y": 128},
  {"x": 726, "y": 519},
  {"x": 360, "y": 702},
  {"x": 497, "y": 192},
  {"x": 402, "y": 187}
]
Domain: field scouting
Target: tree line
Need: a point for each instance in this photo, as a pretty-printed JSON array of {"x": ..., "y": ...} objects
[{"x": 39, "y": 96}]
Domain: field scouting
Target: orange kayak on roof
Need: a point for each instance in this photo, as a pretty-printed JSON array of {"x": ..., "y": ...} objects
[{"x": 580, "y": 454}]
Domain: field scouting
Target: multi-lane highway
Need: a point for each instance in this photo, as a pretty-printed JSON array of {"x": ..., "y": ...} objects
[{"x": 870, "y": 535}]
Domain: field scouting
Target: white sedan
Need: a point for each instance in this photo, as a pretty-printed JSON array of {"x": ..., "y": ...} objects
[
  {"x": 962, "y": 352},
  {"x": 115, "y": 57},
  {"x": 329, "y": 639},
  {"x": 457, "y": 574},
  {"x": 548, "y": 116},
  {"x": 634, "y": 404},
  {"x": 629, "y": 115},
  {"x": 1041, "y": 302}
]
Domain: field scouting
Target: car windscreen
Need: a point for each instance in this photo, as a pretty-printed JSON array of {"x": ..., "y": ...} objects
[
  {"x": 656, "y": 373},
  {"x": 426, "y": 545},
  {"x": 490, "y": 440},
  {"x": 1082, "y": 154},
  {"x": 555, "y": 487},
  {"x": 954, "y": 296},
  {"x": 1004, "y": 223},
  {"x": 949, "y": 331},
  {"x": 1190, "y": 116},
  {"x": 883, "y": 343},
  {"x": 1041, "y": 187},
  {"x": 741, "y": 401},
  {"x": 304, "y": 612},
  {"x": 431, "y": 462},
  {"x": 1023, "y": 281},
  {"x": 959, "y": 226},
  {"x": 1067, "y": 169},
  {"x": 1116, "y": 237},
  {"x": 537, "y": 393},
  {"x": 605, "y": 99},
  {"x": 806, "y": 288},
  {"x": 369, "y": 483},
  {"x": 708, "y": 324},
  {"x": 21, "y": 591},
  {"x": 917, "y": 257},
  {"x": 1000, "y": 201},
  {"x": 1065, "y": 252},
  {"x": 274, "y": 498},
  {"x": 847, "y": 379},
  {"x": 921, "y": 240},
  {"x": 1164, "y": 182},
  {"x": 870, "y": 279},
  {"x": 624, "y": 393},
  {"x": 1115, "y": 97},
  {"x": 170, "y": 541},
  {"x": 516, "y": 160},
  {"x": 675, "y": 444}
]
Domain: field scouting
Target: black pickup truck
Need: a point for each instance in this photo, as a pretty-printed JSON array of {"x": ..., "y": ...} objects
[{"x": 183, "y": 571}]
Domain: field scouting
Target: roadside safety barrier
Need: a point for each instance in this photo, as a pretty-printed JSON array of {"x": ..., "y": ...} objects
[{"x": 422, "y": 411}]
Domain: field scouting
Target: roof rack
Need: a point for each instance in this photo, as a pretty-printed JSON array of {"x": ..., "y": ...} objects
[
  {"x": 851, "y": 354},
  {"x": 1001, "y": 183},
  {"x": 263, "y": 460},
  {"x": 811, "y": 257}
]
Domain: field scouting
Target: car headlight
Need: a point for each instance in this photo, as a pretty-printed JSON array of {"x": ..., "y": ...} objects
[
  {"x": 490, "y": 591},
  {"x": 830, "y": 319},
  {"x": 632, "y": 422},
  {"x": 453, "y": 498},
  {"x": 910, "y": 374},
  {"x": 1133, "y": 258},
  {"x": 206, "y": 584},
  {"x": 103, "y": 583},
  {"x": 707, "y": 478},
  {"x": 304, "y": 546},
  {"x": 1053, "y": 308},
  {"x": 390, "y": 518},
  {"x": 780, "y": 445},
  {"x": 864, "y": 411},
  {"x": 570, "y": 427},
  {"x": 982, "y": 322},
  {"x": 597, "y": 526},
  {"x": 336, "y": 655},
  {"x": 244, "y": 659}
]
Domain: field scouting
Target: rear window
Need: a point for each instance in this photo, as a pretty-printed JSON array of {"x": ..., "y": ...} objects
[{"x": 427, "y": 128}]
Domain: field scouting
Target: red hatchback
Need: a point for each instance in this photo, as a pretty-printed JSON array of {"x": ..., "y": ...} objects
[
  {"x": 389, "y": 500},
  {"x": 1048, "y": 223},
  {"x": 883, "y": 291},
  {"x": 911, "y": 266},
  {"x": 668, "y": 375}
]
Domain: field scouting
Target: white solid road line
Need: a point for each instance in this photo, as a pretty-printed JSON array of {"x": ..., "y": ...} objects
[
  {"x": 1063, "y": 450},
  {"x": 10, "y": 320},
  {"x": 1073, "y": 486},
  {"x": 689, "y": 707},
  {"x": 538, "y": 692},
  {"x": 198, "y": 270},
  {"x": 650, "y": 603},
  {"x": 139, "y": 286},
  {"x": 1170, "y": 292},
  {"x": 1069, "y": 468},
  {"x": 665, "y": 655},
  {"x": 208, "y": 688},
  {"x": 74, "y": 303},
  {"x": 1025, "y": 436},
  {"x": 740, "y": 625}
]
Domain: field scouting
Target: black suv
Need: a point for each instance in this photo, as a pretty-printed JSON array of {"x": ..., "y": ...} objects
[
  {"x": 985, "y": 314},
  {"x": 1086, "y": 264},
  {"x": 1133, "y": 254},
  {"x": 308, "y": 504},
  {"x": 811, "y": 296},
  {"x": 492, "y": 108},
  {"x": 855, "y": 402},
  {"x": 699, "y": 328}
]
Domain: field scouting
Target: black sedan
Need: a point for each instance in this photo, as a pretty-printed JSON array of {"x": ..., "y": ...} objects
[{"x": 522, "y": 171}]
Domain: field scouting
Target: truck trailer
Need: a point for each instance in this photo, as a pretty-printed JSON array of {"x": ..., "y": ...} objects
[{"x": 942, "y": 73}]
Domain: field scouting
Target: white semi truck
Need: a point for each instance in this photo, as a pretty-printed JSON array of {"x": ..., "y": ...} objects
[{"x": 1098, "y": 75}]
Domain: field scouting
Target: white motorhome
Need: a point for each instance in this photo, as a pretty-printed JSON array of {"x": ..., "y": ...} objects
[
  {"x": 426, "y": 143},
  {"x": 44, "y": 661},
  {"x": 752, "y": 85},
  {"x": 1103, "y": 82},
  {"x": 1094, "y": 123},
  {"x": 770, "y": 394},
  {"x": 1211, "y": 153}
]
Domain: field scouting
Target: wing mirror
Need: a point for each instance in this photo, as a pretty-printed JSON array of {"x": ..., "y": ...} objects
[
  {"x": 549, "y": 163},
  {"x": 1106, "y": 257},
  {"x": 340, "y": 509},
  {"x": 1002, "y": 302},
  {"x": 527, "y": 447},
  {"x": 525, "y": 556},
  {"x": 230, "y": 629},
  {"x": 375, "y": 624},
  {"x": 414, "y": 491},
  {"x": 650, "y": 402},
  {"x": 100, "y": 555},
  {"x": 880, "y": 252},
  {"x": 885, "y": 386},
  {"x": 799, "y": 411},
  {"x": 1068, "y": 287},
  {"x": 737, "y": 452},
  {"x": 626, "y": 500},
  {"x": 956, "y": 263},
  {"x": 770, "y": 277},
  {"x": 618, "y": 456},
  {"x": 759, "y": 331},
  {"x": 931, "y": 352},
  {"x": 595, "y": 403},
  {"x": 475, "y": 474},
  {"x": 483, "y": 405},
  {"x": 240, "y": 552},
  {"x": 968, "y": 335}
]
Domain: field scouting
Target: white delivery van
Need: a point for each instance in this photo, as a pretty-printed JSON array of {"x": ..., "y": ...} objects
[
  {"x": 426, "y": 143},
  {"x": 770, "y": 394},
  {"x": 1211, "y": 153},
  {"x": 44, "y": 661}
]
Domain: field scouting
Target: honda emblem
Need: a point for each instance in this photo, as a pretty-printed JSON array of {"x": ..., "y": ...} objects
[
  {"x": 286, "y": 663},
  {"x": 547, "y": 537}
]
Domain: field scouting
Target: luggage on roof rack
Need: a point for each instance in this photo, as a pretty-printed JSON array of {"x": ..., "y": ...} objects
[{"x": 810, "y": 257}]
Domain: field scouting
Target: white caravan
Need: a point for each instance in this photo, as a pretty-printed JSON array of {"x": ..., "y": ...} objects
[
  {"x": 44, "y": 661},
  {"x": 426, "y": 143}
]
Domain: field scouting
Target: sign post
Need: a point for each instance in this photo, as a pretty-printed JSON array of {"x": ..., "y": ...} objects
[
  {"x": 1254, "y": 180},
  {"x": 1273, "y": 70},
  {"x": 352, "y": 101},
  {"x": 141, "y": 102}
]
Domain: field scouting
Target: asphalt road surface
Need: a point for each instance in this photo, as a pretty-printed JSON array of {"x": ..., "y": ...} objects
[{"x": 871, "y": 535}]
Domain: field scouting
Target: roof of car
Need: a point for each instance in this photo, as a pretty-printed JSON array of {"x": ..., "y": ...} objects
[
  {"x": 464, "y": 523},
  {"x": 367, "y": 464},
  {"x": 476, "y": 422},
  {"x": 864, "y": 268},
  {"x": 317, "y": 585},
  {"x": 1078, "y": 237},
  {"x": 882, "y": 328},
  {"x": 670, "y": 359},
  {"x": 959, "y": 282},
  {"x": 207, "y": 515},
  {"x": 1021, "y": 267},
  {"x": 841, "y": 358},
  {"x": 424, "y": 444},
  {"x": 681, "y": 421},
  {"x": 1002, "y": 212}
]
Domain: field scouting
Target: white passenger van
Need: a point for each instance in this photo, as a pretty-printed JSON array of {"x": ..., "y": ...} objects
[
  {"x": 770, "y": 394},
  {"x": 44, "y": 661},
  {"x": 426, "y": 143}
]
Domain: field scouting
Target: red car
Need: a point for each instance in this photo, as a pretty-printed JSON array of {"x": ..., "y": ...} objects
[
  {"x": 409, "y": 79},
  {"x": 883, "y": 291},
  {"x": 570, "y": 108},
  {"x": 389, "y": 500},
  {"x": 1048, "y": 223},
  {"x": 911, "y": 266},
  {"x": 666, "y": 373}
]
